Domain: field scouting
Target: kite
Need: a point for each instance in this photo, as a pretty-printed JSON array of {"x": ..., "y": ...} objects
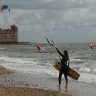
[
  {"x": 41, "y": 50},
  {"x": 91, "y": 45},
  {"x": 5, "y": 7}
]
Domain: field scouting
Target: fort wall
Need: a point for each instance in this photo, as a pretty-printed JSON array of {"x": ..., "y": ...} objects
[{"x": 9, "y": 35}]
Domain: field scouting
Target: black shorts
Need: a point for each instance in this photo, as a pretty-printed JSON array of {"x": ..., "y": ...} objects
[{"x": 64, "y": 69}]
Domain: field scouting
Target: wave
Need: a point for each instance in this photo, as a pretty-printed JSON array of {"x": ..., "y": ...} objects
[
  {"x": 17, "y": 60},
  {"x": 2, "y": 48}
]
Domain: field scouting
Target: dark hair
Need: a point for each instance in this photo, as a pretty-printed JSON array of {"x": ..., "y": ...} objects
[{"x": 66, "y": 54}]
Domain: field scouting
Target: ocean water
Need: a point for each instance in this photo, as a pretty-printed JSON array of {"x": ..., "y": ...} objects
[{"x": 27, "y": 59}]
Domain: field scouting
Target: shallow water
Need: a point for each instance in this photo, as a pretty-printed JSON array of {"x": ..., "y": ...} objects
[{"x": 26, "y": 58}]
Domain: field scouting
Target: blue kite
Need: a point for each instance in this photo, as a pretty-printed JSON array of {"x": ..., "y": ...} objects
[{"x": 5, "y": 7}]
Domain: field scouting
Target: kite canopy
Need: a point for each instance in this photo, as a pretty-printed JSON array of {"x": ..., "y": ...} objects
[
  {"x": 91, "y": 44},
  {"x": 41, "y": 50},
  {"x": 5, "y": 7}
]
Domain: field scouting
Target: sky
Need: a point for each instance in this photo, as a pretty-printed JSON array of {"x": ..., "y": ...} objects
[{"x": 63, "y": 21}]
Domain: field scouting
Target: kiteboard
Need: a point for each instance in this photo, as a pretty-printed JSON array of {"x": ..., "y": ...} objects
[{"x": 72, "y": 73}]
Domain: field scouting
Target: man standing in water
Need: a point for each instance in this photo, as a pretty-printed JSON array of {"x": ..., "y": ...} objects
[{"x": 64, "y": 67}]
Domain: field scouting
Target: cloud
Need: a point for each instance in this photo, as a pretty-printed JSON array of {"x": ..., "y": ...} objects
[{"x": 67, "y": 20}]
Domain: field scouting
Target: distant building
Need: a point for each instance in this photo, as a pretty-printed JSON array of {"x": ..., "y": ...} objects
[{"x": 9, "y": 35}]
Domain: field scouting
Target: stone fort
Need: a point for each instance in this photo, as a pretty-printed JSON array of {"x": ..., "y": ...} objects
[{"x": 9, "y": 35}]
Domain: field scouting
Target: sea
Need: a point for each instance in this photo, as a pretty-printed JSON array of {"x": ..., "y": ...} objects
[{"x": 27, "y": 59}]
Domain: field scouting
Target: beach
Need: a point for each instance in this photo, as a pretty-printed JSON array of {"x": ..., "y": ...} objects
[
  {"x": 28, "y": 84},
  {"x": 23, "y": 69},
  {"x": 18, "y": 84},
  {"x": 16, "y": 91}
]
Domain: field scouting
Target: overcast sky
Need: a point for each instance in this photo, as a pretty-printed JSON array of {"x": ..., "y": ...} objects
[{"x": 59, "y": 20}]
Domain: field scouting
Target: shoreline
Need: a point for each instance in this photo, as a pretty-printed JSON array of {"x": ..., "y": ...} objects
[
  {"x": 43, "y": 83},
  {"x": 21, "y": 84},
  {"x": 4, "y": 70},
  {"x": 23, "y": 91}
]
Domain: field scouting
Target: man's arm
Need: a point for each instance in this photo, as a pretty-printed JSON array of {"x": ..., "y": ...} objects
[{"x": 59, "y": 52}]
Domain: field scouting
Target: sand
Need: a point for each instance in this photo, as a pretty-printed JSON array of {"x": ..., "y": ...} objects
[
  {"x": 4, "y": 70},
  {"x": 31, "y": 84},
  {"x": 8, "y": 86},
  {"x": 17, "y": 91}
]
